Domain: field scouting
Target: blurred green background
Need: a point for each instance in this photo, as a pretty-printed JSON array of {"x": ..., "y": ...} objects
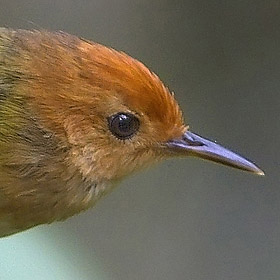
[{"x": 183, "y": 219}]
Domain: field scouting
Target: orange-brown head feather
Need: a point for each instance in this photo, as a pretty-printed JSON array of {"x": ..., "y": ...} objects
[
  {"x": 74, "y": 85},
  {"x": 134, "y": 85}
]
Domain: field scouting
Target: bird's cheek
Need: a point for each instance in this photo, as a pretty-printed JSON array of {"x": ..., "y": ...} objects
[
  {"x": 78, "y": 129},
  {"x": 136, "y": 161},
  {"x": 116, "y": 166},
  {"x": 96, "y": 164},
  {"x": 110, "y": 161}
]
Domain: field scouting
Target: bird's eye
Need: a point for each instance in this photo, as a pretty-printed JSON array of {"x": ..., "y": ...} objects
[{"x": 123, "y": 125}]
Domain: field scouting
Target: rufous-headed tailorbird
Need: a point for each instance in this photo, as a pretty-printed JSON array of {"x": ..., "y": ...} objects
[{"x": 76, "y": 117}]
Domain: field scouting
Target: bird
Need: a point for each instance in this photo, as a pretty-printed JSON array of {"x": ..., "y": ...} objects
[{"x": 76, "y": 118}]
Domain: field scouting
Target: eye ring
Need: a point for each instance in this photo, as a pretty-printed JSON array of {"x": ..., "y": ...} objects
[{"x": 123, "y": 125}]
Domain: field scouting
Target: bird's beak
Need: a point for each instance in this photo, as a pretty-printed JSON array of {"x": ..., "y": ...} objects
[{"x": 194, "y": 145}]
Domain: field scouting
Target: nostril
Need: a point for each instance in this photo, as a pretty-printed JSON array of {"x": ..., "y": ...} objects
[{"x": 192, "y": 141}]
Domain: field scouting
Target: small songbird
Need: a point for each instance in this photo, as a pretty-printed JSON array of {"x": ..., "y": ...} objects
[{"x": 77, "y": 117}]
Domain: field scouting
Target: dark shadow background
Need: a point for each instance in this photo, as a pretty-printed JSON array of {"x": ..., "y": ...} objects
[{"x": 184, "y": 219}]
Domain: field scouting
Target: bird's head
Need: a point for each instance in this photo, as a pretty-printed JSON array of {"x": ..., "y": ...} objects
[{"x": 116, "y": 115}]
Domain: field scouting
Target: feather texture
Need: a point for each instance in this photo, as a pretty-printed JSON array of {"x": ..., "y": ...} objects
[{"x": 57, "y": 155}]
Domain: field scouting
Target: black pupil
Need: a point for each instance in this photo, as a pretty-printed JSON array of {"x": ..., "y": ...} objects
[{"x": 123, "y": 125}]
